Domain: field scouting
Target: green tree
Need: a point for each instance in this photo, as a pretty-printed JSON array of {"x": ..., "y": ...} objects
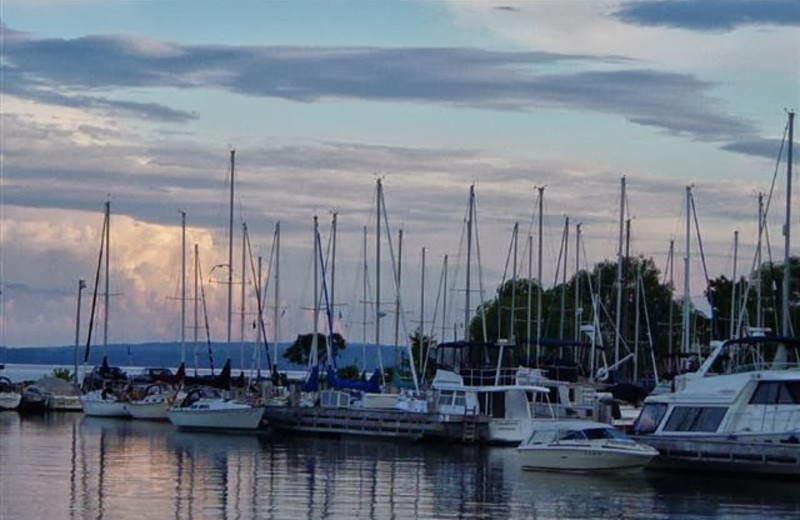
[{"x": 299, "y": 351}]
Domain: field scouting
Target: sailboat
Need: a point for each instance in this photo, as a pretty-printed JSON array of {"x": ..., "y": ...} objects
[{"x": 109, "y": 400}]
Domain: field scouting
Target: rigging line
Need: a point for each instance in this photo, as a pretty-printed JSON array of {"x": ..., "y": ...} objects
[
  {"x": 261, "y": 326},
  {"x": 94, "y": 294},
  {"x": 205, "y": 317}
]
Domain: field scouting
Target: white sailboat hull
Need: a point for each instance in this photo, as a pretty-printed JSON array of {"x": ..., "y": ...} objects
[
  {"x": 225, "y": 418},
  {"x": 95, "y": 406}
]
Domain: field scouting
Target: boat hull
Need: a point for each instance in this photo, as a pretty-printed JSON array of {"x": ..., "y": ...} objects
[
  {"x": 64, "y": 403},
  {"x": 224, "y": 419},
  {"x": 583, "y": 459},
  {"x": 149, "y": 411},
  {"x": 10, "y": 400},
  {"x": 95, "y": 406}
]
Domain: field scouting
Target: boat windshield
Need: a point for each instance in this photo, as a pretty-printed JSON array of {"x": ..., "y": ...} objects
[{"x": 592, "y": 434}]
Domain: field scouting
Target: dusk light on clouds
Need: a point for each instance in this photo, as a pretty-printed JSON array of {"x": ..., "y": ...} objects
[{"x": 139, "y": 103}]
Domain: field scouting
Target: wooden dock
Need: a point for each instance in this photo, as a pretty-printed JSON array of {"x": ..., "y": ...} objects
[
  {"x": 370, "y": 422},
  {"x": 725, "y": 456}
]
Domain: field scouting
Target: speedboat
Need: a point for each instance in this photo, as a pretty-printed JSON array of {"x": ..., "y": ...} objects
[
  {"x": 215, "y": 412},
  {"x": 582, "y": 446}
]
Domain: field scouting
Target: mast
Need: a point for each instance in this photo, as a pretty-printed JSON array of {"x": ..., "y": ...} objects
[
  {"x": 469, "y": 259},
  {"x": 564, "y": 280},
  {"x": 577, "y": 281},
  {"x": 539, "y": 279},
  {"x": 397, "y": 296},
  {"x": 364, "y": 309},
  {"x": 183, "y": 286},
  {"x": 276, "y": 311},
  {"x": 245, "y": 238},
  {"x": 759, "y": 314},
  {"x": 511, "y": 332},
  {"x": 196, "y": 299},
  {"x": 105, "y": 296},
  {"x": 81, "y": 287},
  {"x": 786, "y": 323},
  {"x": 334, "y": 222},
  {"x": 230, "y": 245},
  {"x": 378, "y": 198},
  {"x": 444, "y": 298},
  {"x": 685, "y": 337},
  {"x": 422, "y": 355},
  {"x": 314, "y": 340},
  {"x": 618, "y": 316},
  {"x": 733, "y": 328},
  {"x": 530, "y": 298}
]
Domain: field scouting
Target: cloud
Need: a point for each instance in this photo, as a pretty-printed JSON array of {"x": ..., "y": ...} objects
[
  {"x": 75, "y": 72},
  {"x": 710, "y": 15}
]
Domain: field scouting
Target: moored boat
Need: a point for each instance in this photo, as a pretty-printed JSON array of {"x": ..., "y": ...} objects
[
  {"x": 206, "y": 410},
  {"x": 104, "y": 403},
  {"x": 10, "y": 396},
  {"x": 582, "y": 446}
]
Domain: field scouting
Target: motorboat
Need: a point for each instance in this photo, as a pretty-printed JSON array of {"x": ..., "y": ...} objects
[
  {"x": 739, "y": 411},
  {"x": 582, "y": 446},
  {"x": 210, "y": 410},
  {"x": 104, "y": 403},
  {"x": 10, "y": 396}
]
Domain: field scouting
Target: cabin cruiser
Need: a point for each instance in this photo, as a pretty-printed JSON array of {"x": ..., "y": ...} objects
[
  {"x": 582, "y": 446},
  {"x": 742, "y": 404},
  {"x": 485, "y": 380}
]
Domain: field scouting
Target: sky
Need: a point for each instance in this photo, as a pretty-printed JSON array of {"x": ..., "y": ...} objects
[{"x": 139, "y": 103}]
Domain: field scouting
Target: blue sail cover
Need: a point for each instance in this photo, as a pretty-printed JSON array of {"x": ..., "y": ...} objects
[
  {"x": 372, "y": 385},
  {"x": 312, "y": 383}
]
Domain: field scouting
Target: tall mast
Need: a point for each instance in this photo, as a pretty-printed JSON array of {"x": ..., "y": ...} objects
[
  {"x": 577, "y": 281},
  {"x": 105, "y": 296},
  {"x": 733, "y": 328},
  {"x": 422, "y": 355},
  {"x": 379, "y": 198},
  {"x": 470, "y": 214},
  {"x": 315, "y": 339},
  {"x": 183, "y": 286},
  {"x": 685, "y": 338},
  {"x": 365, "y": 296},
  {"x": 564, "y": 280},
  {"x": 530, "y": 298},
  {"x": 759, "y": 314},
  {"x": 444, "y": 298},
  {"x": 334, "y": 223},
  {"x": 230, "y": 245},
  {"x": 512, "y": 319},
  {"x": 276, "y": 312},
  {"x": 245, "y": 239},
  {"x": 539, "y": 279},
  {"x": 196, "y": 300},
  {"x": 786, "y": 323},
  {"x": 397, "y": 295},
  {"x": 618, "y": 316}
]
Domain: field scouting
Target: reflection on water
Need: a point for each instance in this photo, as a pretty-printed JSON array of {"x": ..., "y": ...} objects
[{"x": 74, "y": 467}]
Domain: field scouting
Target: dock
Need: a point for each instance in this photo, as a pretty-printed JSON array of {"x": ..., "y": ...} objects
[{"x": 725, "y": 456}]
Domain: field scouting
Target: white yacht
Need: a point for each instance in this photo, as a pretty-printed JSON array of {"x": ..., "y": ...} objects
[
  {"x": 582, "y": 446},
  {"x": 739, "y": 411},
  {"x": 103, "y": 403}
]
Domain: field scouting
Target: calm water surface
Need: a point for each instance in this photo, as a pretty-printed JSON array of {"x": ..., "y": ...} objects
[{"x": 67, "y": 466}]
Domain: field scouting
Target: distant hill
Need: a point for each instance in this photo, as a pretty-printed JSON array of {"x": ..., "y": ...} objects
[{"x": 169, "y": 355}]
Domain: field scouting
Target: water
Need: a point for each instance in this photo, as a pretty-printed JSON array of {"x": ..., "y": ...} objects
[{"x": 67, "y": 466}]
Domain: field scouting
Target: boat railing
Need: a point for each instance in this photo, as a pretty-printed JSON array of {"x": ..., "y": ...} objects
[
  {"x": 488, "y": 377},
  {"x": 765, "y": 365}
]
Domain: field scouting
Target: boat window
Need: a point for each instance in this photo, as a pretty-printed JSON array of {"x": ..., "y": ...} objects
[
  {"x": 572, "y": 435},
  {"x": 649, "y": 418},
  {"x": 598, "y": 433},
  {"x": 776, "y": 392},
  {"x": 695, "y": 419}
]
